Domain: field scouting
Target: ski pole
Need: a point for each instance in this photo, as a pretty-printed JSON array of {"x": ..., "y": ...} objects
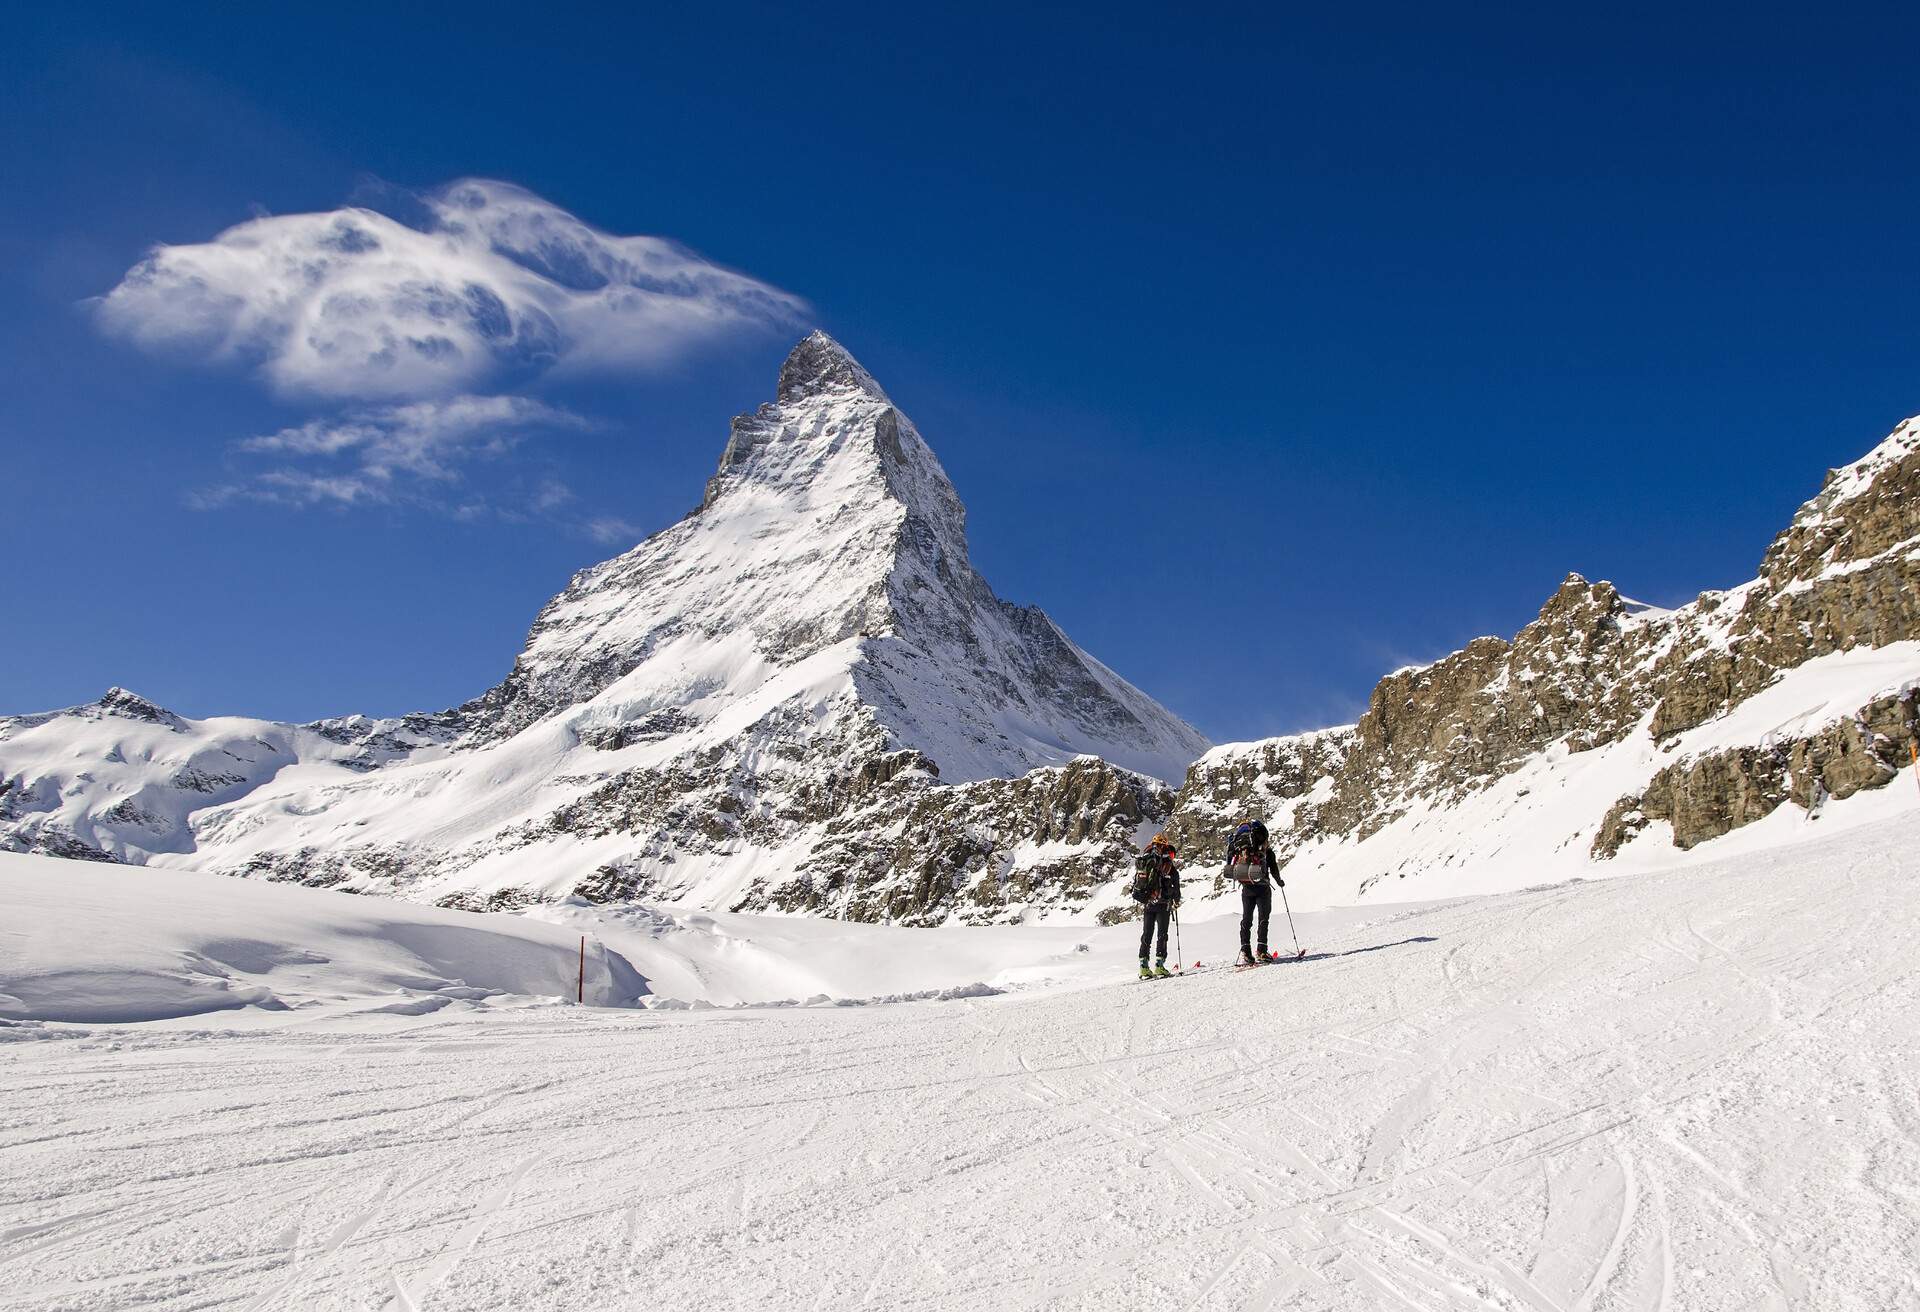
[
  {"x": 1298, "y": 951},
  {"x": 1179, "y": 953}
]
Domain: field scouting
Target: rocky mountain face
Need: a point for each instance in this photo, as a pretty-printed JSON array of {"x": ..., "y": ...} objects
[
  {"x": 801, "y": 696},
  {"x": 1828, "y": 621}
]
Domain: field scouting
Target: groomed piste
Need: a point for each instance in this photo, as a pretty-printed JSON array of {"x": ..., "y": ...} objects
[{"x": 1661, "y": 1091}]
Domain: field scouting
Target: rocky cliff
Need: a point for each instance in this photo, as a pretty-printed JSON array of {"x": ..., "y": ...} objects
[{"x": 1603, "y": 718}]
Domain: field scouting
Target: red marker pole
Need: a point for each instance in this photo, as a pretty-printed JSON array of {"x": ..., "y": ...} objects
[
  {"x": 580, "y": 989},
  {"x": 1913, "y": 746}
]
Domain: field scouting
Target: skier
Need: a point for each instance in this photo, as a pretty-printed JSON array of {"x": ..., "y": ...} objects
[
  {"x": 1251, "y": 864},
  {"x": 1156, "y": 887}
]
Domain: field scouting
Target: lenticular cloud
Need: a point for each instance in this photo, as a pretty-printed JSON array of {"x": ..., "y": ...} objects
[{"x": 352, "y": 303}]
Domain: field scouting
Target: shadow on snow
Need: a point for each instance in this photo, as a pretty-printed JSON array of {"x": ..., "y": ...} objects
[{"x": 1354, "y": 952}]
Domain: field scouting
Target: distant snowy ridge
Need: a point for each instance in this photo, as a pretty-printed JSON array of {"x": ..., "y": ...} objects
[
  {"x": 121, "y": 779},
  {"x": 801, "y": 696}
]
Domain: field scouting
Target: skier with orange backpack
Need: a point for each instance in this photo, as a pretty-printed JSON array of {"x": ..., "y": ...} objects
[{"x": 1156, "y": 887}]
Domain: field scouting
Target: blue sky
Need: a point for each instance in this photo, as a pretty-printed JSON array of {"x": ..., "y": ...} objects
[{"x": 1270, "y": 350}]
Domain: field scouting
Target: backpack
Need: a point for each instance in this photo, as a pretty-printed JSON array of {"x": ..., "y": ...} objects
[
  {"x": 1146, "y": 876},
  {"x": 1247, "y": 853}
]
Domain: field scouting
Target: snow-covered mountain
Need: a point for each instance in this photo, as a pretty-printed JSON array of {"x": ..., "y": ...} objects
[
  {"x": 1609, "y": 735},
  {"x": 122, "y": 779},
  {"x": 802, "y": 696},
  {"x": 830, "y": 552}
]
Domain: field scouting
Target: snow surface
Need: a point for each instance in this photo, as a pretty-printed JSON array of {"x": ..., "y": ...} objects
[
  {"x": 1691, "y": 1089},
  {"x": 89, "y": 941},
  {"x": 162, "y": 944}
]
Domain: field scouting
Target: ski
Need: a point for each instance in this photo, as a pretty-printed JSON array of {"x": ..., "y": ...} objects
[{"x": 1195, "y": 969}]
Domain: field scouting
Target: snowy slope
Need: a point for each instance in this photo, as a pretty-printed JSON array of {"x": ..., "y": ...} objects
[
  {"x": 106, "y": 942},
  {"x": 1686, "y": 1089},
  {"x": 687, "y": 721}
]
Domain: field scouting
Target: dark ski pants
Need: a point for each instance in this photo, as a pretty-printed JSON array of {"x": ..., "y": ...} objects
[
  {"x": 1155, "y": 915},
  {"x": 1255, "y": 897}
]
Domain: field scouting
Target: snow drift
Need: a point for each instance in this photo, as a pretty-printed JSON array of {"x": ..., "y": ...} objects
[{"x": 106, "y": 943}]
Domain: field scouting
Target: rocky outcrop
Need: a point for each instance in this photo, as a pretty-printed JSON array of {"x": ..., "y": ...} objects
[
  {"x": 362, "y": 868},
  {"x": 1594, "y": 669},
  {"x": 1715, "y": 793},
  {"x": 920, "y": 853}
]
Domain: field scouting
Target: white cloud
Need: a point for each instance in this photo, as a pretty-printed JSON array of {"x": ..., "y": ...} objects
[
  {"x": 612, "y": 531},
  {"x": 292, "y": 487},
  {"x": 426, "y": 439},
  {"x": 550, "y": 496},
  {"x": 497, "y": 283},
  {"x": 396, "y": 454}
]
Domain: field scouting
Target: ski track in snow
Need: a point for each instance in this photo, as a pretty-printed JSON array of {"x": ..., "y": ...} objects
[{"x": 1684, "y": 1090}]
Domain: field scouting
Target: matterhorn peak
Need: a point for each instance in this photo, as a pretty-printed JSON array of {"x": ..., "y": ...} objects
[
  {"x": 819, "y": 365},
  {"x": 830, "y": 540},
  {"x": 830, "y": 422}
]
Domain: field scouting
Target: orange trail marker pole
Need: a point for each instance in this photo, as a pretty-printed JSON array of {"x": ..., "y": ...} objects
[
  {"x": 1913, "y": 746},
  {"x": 580, "y": 989}
]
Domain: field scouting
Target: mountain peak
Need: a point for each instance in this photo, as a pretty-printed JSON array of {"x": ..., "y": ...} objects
[
  {"x": 828, "y": 561},
  {"x": 819, "y": 365},
  {"x": 131, "y": 705}
]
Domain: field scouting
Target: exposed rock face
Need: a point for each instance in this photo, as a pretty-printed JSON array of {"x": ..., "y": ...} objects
[
  {"x": 798, "y": 676},
  {"x": 1706, "y": 796},
  {"x": 918, "y": 853},
  {"x": 1595, "y": 670}
]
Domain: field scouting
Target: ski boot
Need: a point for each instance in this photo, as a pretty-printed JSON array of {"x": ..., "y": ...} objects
[
  {"x": 1245, "y": 959},
  {"x": 1262, "y": 957},
  {"x": 1144, "y": 972},
  {"x": 1160, "y": 970}
]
